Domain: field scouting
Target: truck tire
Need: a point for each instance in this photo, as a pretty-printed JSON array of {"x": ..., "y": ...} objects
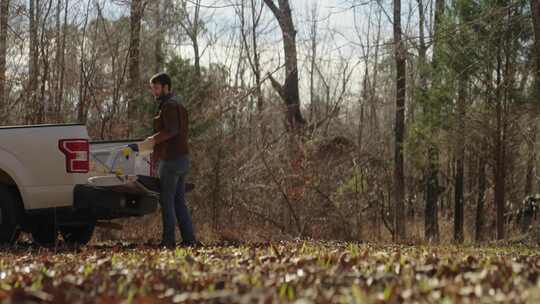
[
  {"x": 9, "y": 230},
  {"x": 77, "y": 235},
  {"x": 44, "y": 233}
]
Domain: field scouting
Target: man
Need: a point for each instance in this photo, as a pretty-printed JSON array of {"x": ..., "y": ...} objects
[{"x": 170, "y": 148}]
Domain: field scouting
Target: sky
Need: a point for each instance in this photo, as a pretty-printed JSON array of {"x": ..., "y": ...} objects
[
  {"x": 342, "y": 34},
  {"x": 338, "y": 33}
]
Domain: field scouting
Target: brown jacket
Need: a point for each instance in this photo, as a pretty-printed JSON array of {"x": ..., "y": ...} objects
[{"x": 171, "y": 127}]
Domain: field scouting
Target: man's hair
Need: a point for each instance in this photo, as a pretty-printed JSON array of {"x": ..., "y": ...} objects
[{"x": 161, "y": 78}]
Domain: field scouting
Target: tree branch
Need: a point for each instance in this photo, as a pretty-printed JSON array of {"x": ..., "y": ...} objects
[
  {"x": 272, "y": 6},
  {"x": 277, "y": 86}
]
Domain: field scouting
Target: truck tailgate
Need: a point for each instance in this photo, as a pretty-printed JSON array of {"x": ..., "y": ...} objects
[
  {"x": 111, "y": 196},
  {"x": 133, "y": 184}
]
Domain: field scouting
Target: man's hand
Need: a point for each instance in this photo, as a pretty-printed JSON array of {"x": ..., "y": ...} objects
[{"x": 150, "y": 140}]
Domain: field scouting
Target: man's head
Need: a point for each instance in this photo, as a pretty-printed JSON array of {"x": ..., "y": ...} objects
[{"x": 160, "y": 84}]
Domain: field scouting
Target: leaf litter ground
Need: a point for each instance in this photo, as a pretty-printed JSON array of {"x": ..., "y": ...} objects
[{"x": 302, "y": 272}]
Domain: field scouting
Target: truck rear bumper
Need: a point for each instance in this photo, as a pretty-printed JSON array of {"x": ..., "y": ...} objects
[{"x": 103, "y": 203}]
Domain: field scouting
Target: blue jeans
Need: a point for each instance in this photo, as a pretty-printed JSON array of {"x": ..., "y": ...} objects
[{"x": 172, "y": 174}]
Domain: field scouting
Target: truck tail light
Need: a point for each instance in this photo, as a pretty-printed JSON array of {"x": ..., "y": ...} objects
[{"x": 77, "y": 154}]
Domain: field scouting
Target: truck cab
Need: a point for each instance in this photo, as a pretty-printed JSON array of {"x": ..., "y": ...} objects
[{"x": 46, "y": 187}]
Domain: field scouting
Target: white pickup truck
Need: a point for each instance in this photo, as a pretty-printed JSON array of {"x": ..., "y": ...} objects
[{"x": 45, "y": 188}]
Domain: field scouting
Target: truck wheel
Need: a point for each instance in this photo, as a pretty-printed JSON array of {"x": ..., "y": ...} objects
[
  {"x": 44, "y": 233},
  {"x": 77, "y": 235},
  {"x": 9, "y": 231}
]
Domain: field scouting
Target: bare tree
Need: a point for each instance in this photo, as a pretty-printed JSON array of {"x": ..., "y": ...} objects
[
  {"x": 370, "y": 83},
  {"x": 44, "y": 49},
  {"x": 499, "y": 168},
  {"x": 432, "y": 173},
  {"x": 158, "y": 47},
  {"x": 531, "y": 157},
  {"x": 399, "y": 128},
  {"x": 250, "y": 43},
  {"x": 314, "y": 45},
  {"x": 61, "y": 68},
  {"x": 33, "y": 69},
  {"x": 480, "y": 200},
  {"x": 289, "y": 91},
  {"x": 431, "y": 225},
  {"x": 460, "y": 156},
  {"x": 4, "y": 15},
  {"x": 56, "y": 68},
  {"x": 134, "y": 82},
  {"x": 192, "y": 24},
  {"x": 82, "y": 107},
  {"x": 535, "y": 8},
  {"x": 119, "y": 66}
]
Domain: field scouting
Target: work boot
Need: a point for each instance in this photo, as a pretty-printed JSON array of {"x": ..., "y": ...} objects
[
  {"x": 167, "y": 244},
  {"x": 191, "y": 244}
]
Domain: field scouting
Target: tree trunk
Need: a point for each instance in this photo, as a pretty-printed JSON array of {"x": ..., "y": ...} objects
[
  {"x": 33, "y": 69},
  {"x": 399, "y": 177},
  {"x": 158, "y": 47},
  {"x": 374, "y": 121},
  {"x": 289, "y": 91},
  {"x": 479, "y": 224},
  {"x": 81, "y": 106},
  {"x": 499, "y": 173},
  {"x": 134, "y": 85},
  {"x": 313, "y": 35},
  {"x": 192, "y": 27},
  {"x": 4, "y": 15},
  {"x": 365, "y": 98},
  {"x": 531, "y": 157},
  {"x": 431, "y": 223},
  {"x": 253, "y": 55},
  {"x": 256, "y": 56},
  {"x": 432, "y": 175},
  {"x": 55, "y": 78},
  {"x": 460, "y": 155},
  {"x": 499, "y": 168},
  {"x": 422, "y": 57},
  {"x": 44, "y": 102},
  {"x": 197, "y": 56},
  {"x": 60, "y": 92},
  {"x": 535, "y": 8}
]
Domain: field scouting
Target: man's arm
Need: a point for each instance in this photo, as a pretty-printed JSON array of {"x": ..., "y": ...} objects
[{"x": 171, "y": 125}]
